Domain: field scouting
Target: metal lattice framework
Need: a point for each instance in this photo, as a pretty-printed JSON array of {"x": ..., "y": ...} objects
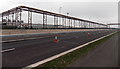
[
  {"x": 13, "y": 17},
  {"x": 112, "y": 24}
]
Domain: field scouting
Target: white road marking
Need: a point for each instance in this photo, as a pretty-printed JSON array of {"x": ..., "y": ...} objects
[
  {"x": 12, "y": 40},
  {"x": 63, "y": 53},
  {"x": 27, "y": 39},
  {"x": 24, "y": 39},
  {"x": 12, "y": 49},
  {"x": 31, "y": 38},
  {"x": 21, "y": 39}
]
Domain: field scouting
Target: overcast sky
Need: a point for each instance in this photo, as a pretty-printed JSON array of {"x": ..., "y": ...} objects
[{"x": 104, "y": 11}]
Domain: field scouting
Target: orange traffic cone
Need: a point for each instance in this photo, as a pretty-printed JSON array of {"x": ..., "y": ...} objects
[
  {"x": 56, "y": 39},
  {"x": 88, "y": 34}
]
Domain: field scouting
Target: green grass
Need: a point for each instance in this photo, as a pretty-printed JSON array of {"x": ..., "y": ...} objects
[{"x": 67, "y": 59}]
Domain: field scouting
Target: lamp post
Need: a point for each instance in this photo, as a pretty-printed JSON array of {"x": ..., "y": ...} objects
[
  {"x": 60, "y": 13},
  {"x": 67, "y": 13},
  {"x": 60, "y": 9}
]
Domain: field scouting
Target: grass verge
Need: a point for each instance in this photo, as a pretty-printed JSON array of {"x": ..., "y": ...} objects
[{"x": 67, "y": 59}]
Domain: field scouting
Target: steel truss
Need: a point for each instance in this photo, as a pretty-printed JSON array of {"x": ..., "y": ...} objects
[
  {"x": 13, "y": 17},
  {"x": 44, "y": 21},
  {"x": 55, "y": 21}
]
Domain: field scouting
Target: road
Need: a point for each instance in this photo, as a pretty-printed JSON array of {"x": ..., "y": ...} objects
[
  {"x": 31, "y": 51},
  {"x": 105, "y": 55}
]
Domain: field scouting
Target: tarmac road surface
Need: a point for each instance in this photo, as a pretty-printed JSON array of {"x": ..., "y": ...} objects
[{"x": 24, "y": 53}]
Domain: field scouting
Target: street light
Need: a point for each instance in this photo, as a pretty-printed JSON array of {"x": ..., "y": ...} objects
[
  {"x": 60, "y": 13},
  {"x": 67, "y": 13},
  {"x": 60, "y": 9}
]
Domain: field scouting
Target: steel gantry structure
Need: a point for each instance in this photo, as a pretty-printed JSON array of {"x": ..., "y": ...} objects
[
  {"x": 113, "y": 24},
  {"x": 13, "y": 17}
]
